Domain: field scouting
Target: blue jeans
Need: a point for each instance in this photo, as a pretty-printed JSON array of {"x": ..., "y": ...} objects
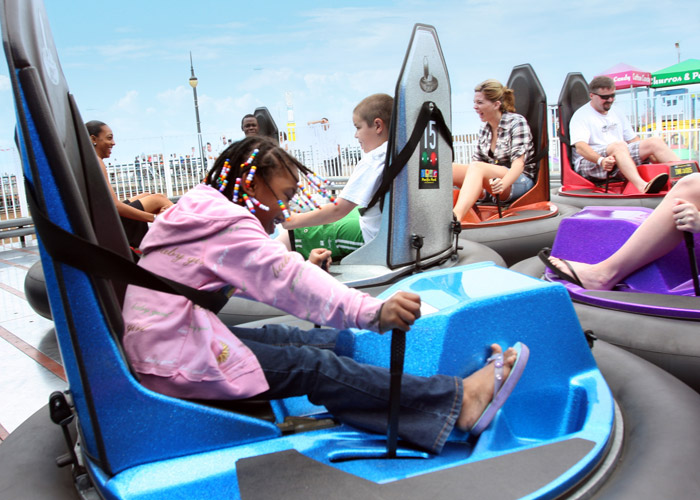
[
  {"x": 521, "y": 186},
  {"x": 297, "y": 362}
]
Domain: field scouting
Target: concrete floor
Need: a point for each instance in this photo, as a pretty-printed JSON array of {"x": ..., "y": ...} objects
[{"x": 30, "y": 364}]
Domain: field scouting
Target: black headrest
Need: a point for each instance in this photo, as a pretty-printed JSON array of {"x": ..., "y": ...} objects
[
  {"x": 30, "y": 48},
  {"x": 266, "y": 124},
  {"x": 574, "y": 94},
  {"x": 59, "y": 128},
  {"x": 530, "y": 100}
]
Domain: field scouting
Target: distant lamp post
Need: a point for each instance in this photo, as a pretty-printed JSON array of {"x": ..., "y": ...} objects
[
  {"x": 678, "y": 51},
  {"x": 193, "y": 84}
]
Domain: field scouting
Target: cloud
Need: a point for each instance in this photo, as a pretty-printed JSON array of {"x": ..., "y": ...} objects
[
  {"x": 175, "y": 96},
  {"x": 319, "y": 81},
  {"x": 375, "y": 80},
  {"x": 125, "y": 49},
  {"x": 263, "y": 77},
  {"x": 330, "y": 58},
  {"x": 226, "y": 105},
  {"x": 129, "y": 101}
]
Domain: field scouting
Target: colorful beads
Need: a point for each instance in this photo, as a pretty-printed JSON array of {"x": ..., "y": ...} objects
[
  {"x": 259, "y": 205},
  {"x": 285, "y": 212},
  {"x": 248, "y": 203},
  {"x": 236, "y": 189},
  {"x": 251, "y": 174},
  {"x": 320, "y": 184},
  {"x": 249, "y": 161},
  {"x": 222, "y": 180},
  {"x": 252, "y": 156},
  {"x": 307, "y": 199},
  {"x": 304, "y": 200}
]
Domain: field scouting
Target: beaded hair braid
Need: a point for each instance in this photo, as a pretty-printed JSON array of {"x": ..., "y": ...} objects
[{"x": 264, "y": 156}]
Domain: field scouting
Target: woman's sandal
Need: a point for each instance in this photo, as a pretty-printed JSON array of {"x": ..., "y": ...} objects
[{"x": 544, "y": 256}]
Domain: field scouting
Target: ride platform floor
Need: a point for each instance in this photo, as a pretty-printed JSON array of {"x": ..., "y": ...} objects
[
  {"x": 29, "y": 356},
  {"x": 658, "y": 460}
]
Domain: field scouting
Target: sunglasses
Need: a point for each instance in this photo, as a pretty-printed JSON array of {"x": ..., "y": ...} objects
[{"x": 605, "y": 97}]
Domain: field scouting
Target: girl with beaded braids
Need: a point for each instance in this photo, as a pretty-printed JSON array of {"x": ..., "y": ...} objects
[
  {"x": 503, "y": 163},
  {"x": 216, "y": 237},
  {"x": 270, "y": 158}
]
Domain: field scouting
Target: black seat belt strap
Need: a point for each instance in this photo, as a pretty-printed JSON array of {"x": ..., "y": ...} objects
[
  {"x": 429, "y": 111},
  {"x": 81, "y": 254}
]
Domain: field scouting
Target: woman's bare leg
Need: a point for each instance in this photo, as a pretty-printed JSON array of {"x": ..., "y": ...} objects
[
  {"x": 657, "y": 236},
  {"x": 139, "y": 196},
  {"x": 472, "y": 178},
  {"x": 153, "y": 203}
]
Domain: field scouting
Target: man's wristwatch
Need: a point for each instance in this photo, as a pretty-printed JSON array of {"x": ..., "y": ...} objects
[{"x": 600, "y": 161}]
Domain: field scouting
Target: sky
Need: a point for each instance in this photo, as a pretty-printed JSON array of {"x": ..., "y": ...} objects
[{"x": 128, "y": 62}]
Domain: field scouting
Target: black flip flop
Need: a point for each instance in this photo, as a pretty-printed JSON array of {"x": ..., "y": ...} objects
[
  {"x": 656, "y": 184},
  {"x": 544, "y": 256}
]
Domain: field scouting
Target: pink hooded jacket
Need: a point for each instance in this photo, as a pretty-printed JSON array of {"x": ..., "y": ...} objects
[{"x": 207, "y": 242}]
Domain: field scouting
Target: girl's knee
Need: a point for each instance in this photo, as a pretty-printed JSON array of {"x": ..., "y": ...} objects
[{"x": 162, "y": 199}]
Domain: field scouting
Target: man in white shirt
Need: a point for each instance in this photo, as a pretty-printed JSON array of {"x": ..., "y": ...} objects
[{"x": 607, "y": 146}]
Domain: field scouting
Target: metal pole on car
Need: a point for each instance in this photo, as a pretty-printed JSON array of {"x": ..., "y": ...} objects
[
  {"x": 690, "y": 245},
  {"x": 398, "y": 350},
  {"x": 498, "y": 202}
]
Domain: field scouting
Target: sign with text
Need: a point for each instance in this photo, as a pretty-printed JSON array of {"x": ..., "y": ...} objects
[{"x": 429, "y": 164}]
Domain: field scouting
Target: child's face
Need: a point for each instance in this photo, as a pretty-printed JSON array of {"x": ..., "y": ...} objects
[
  {"x": 368, "y": 135},
  {"x": 281, "y": 186}
]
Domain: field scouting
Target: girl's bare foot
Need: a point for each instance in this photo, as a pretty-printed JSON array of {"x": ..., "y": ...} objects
[{"x": 478, "y": 388}]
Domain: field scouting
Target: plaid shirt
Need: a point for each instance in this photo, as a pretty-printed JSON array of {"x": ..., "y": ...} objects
[{"x": 514, "y": 140}]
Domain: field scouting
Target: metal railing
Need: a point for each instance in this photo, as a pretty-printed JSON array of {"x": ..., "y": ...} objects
[
  {"x": 464, "y": 146},
  {"x": 173, "y": 173}
]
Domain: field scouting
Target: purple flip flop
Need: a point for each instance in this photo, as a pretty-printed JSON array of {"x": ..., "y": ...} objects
[{"x": 502, "y": 389}]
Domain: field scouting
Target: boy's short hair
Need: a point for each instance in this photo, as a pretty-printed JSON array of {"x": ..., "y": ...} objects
[{"x": 375, "y": 106}]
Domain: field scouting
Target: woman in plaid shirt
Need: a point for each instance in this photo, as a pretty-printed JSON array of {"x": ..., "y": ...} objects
[{"x": 503, "y": 163}]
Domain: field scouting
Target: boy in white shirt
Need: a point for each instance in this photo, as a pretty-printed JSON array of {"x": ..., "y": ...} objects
[{"x": 347, "y": 225}]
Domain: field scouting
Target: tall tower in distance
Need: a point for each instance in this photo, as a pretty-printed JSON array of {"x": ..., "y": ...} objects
[{"x": 291, "y": 126}]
